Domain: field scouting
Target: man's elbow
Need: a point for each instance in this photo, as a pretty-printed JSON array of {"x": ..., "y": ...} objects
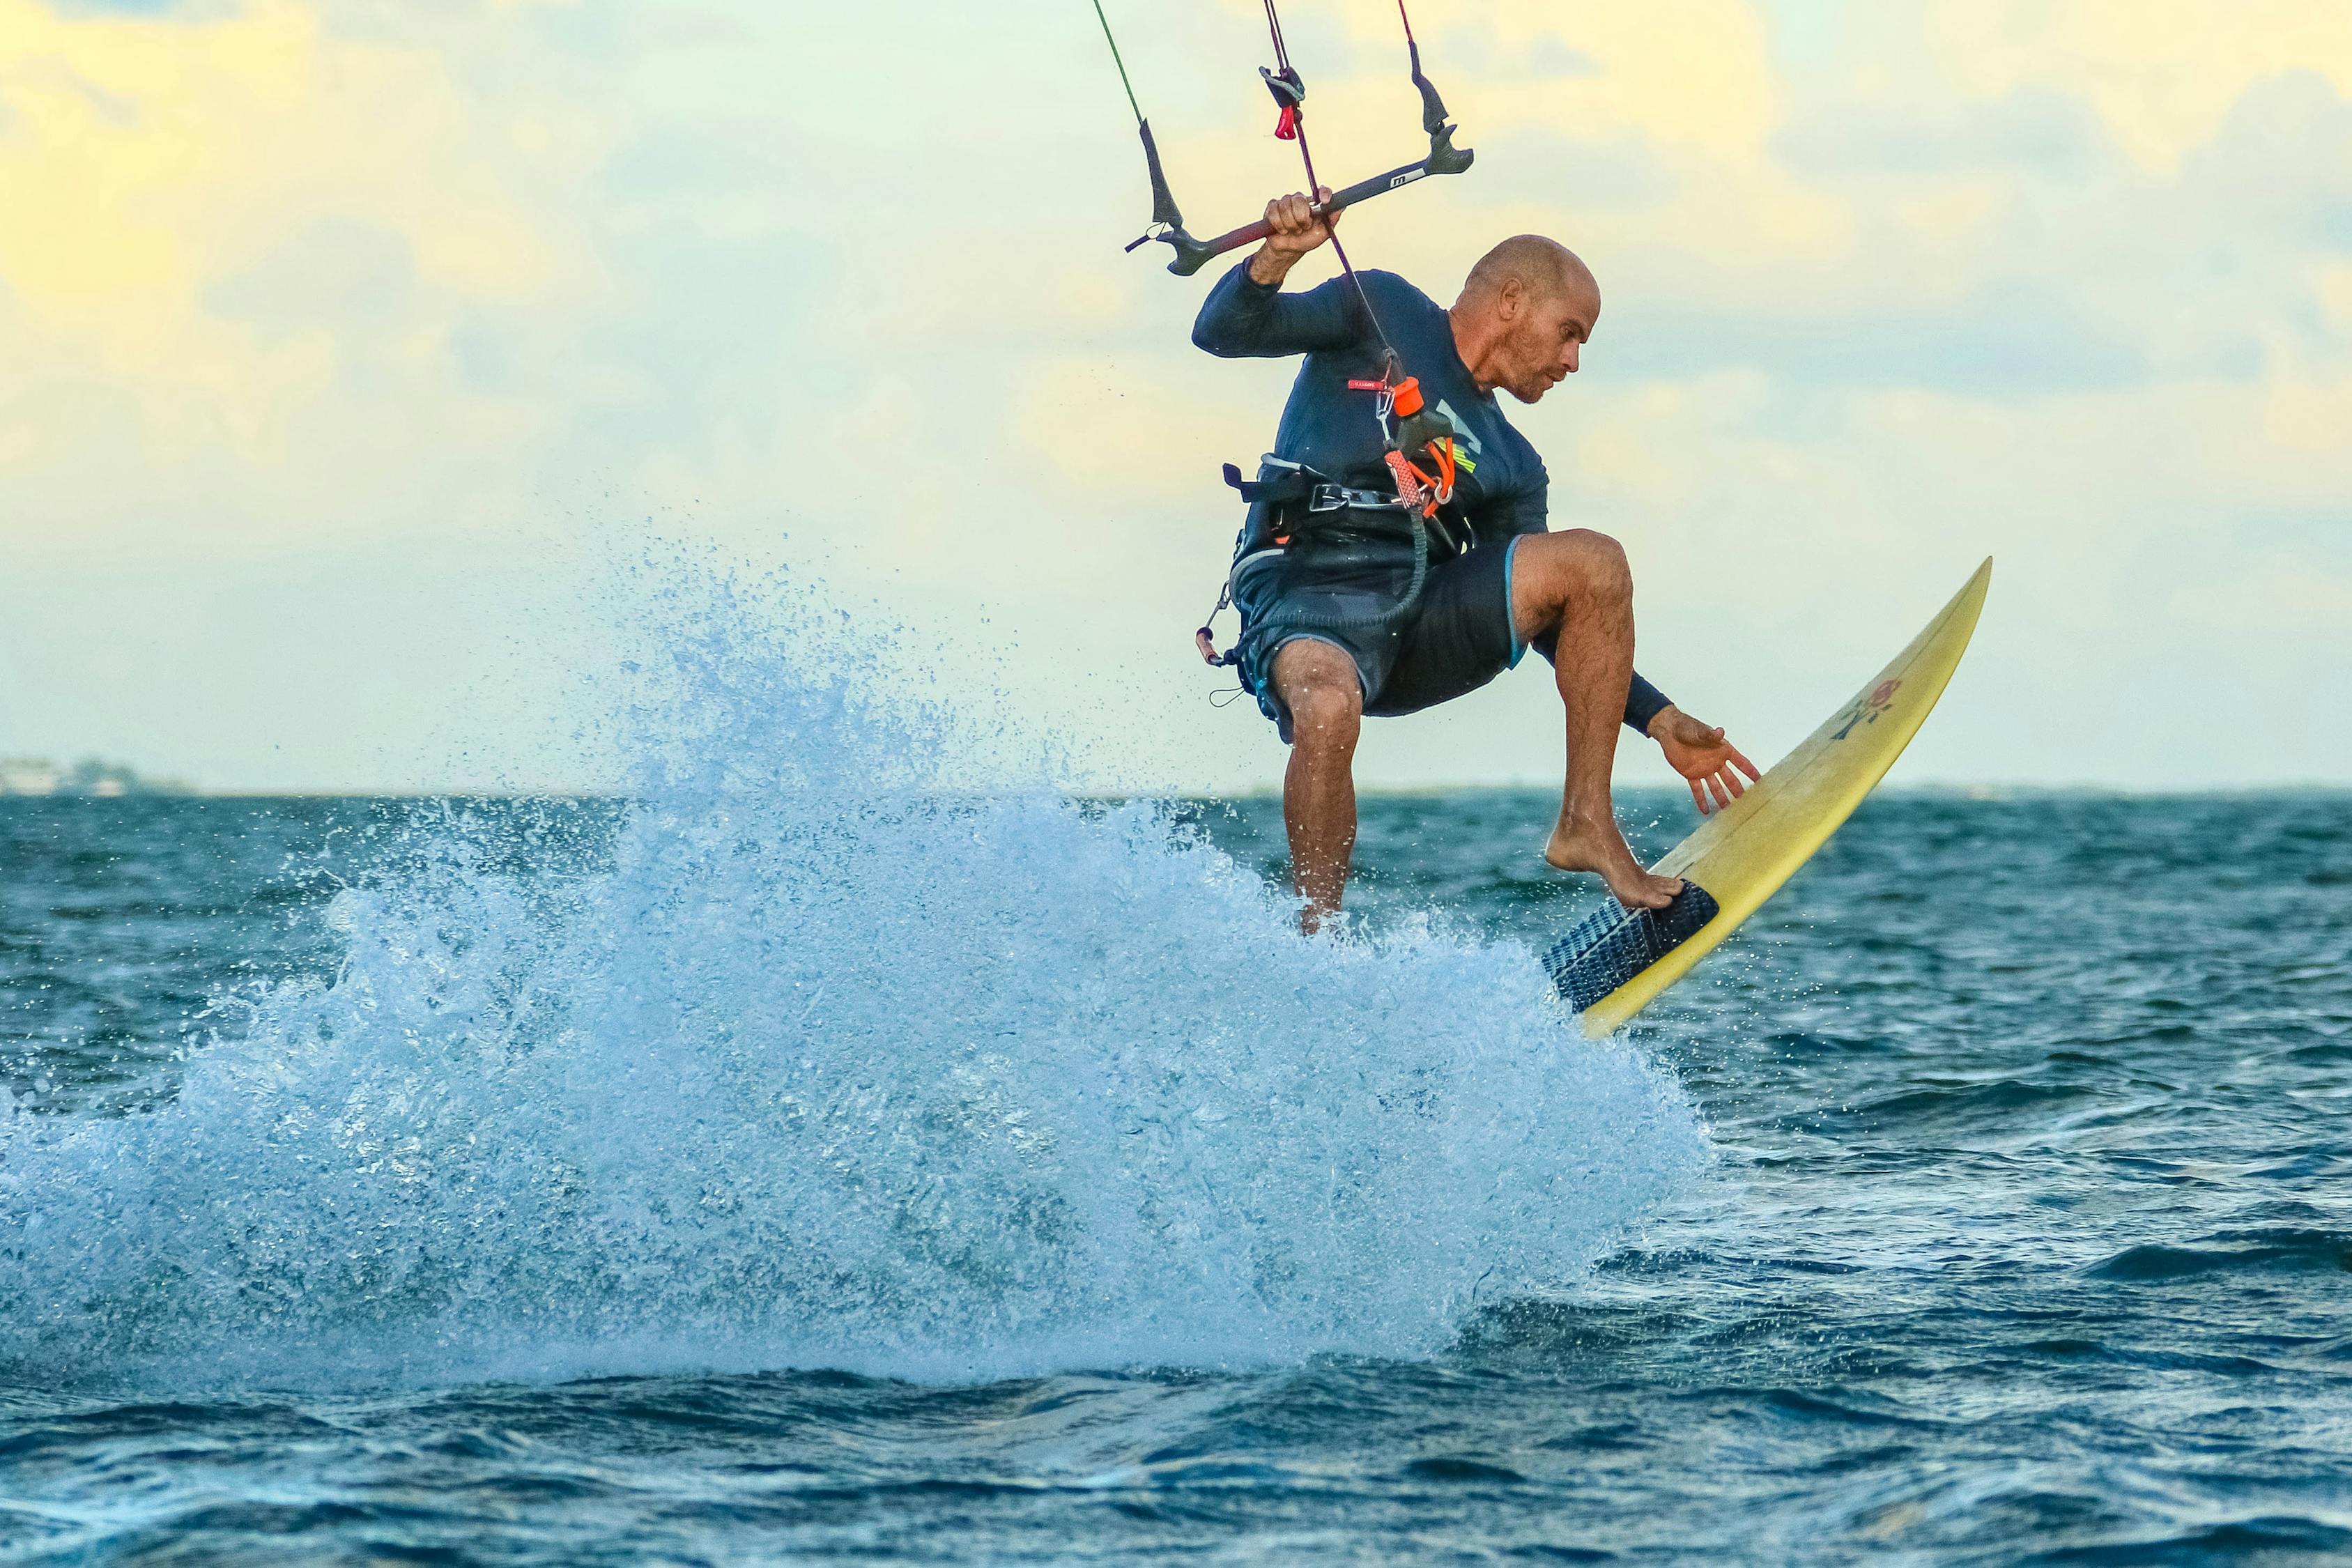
[{"x": 1209, "y": 340}]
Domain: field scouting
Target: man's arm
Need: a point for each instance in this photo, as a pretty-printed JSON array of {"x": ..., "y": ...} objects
[
  {"x": 1643, "y": 703},
  {"x": 1247, "y": 315}
]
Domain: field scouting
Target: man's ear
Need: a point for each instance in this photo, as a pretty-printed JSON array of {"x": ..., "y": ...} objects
[{"x": 1509, "y": 299}]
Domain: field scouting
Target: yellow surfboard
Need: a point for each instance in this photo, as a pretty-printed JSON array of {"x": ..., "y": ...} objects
[{"x": 1742, "y": 855}]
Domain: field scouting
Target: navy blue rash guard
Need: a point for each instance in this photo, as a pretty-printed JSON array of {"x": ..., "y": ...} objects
[{"x": 1500, "y": 488}]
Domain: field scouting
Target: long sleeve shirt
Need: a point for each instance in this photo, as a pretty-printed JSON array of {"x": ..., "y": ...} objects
[{"x": 1501, "y": 488}]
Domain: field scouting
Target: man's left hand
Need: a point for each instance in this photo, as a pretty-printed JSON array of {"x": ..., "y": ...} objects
[{"x": 1698, "y": 752}]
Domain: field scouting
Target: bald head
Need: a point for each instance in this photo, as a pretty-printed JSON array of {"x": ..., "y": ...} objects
[
  {"x": 1524, "y": 314},
  {"x": 1544, "y": 268}
]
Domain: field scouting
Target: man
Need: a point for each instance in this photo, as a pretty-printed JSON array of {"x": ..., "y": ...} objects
[{"x": 1339, "y": 620}]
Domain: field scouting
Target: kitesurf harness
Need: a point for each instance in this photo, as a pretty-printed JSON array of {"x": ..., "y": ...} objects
[{"x": 1412, "y": 433}]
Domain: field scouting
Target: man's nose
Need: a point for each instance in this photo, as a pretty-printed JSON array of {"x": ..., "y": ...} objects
[{"x": 1571, "y": 359}]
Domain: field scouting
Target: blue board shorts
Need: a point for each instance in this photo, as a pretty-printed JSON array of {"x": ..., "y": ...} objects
[{"x": 1343, "y": 585}]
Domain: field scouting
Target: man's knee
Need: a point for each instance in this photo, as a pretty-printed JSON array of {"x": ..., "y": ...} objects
[
  {"x": 1554, "y": 574},
  {"x": 1318, "y": 684},
  {"x": 1326, "y": 714},
  {"x": 1596, "y": 565}
]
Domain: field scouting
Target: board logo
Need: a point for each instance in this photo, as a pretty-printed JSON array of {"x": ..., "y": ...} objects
[{"x": 1868, "y": 707}]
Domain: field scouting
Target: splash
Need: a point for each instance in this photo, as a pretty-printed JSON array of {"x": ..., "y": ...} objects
[{"x": 818, "y": 1055}]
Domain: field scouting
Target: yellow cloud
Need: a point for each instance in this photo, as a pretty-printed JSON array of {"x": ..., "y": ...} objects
[
  {"x": 161, "y": 167},
  {"x": 1690, "y": 74}
]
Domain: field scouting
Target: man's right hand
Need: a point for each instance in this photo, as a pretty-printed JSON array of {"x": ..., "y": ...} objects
[
  {"x": 1295, "y": 229},
  {"x": 1697, "y": 750}
]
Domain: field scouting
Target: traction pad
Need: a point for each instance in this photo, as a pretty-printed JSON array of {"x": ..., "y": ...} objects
[{"x": 1614, "y": 944}]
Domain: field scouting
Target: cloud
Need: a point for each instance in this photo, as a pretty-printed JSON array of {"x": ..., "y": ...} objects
[
  {"x": 340, "y": 275},
  {"x": 2035, "y": 132},
  {"x": 117, "y": 7},
  {"x": 2011, "y": 340}
]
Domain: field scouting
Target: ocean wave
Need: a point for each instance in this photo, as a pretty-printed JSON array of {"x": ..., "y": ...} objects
[
  {"x": 828, "y": 1056},
  {"x": 2232, "y": 1252}
]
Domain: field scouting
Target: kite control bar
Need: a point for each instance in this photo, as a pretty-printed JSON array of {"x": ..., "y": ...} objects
[
  {"x": 1191, "y": 255},
  {"x": 1289, "y": 93}
]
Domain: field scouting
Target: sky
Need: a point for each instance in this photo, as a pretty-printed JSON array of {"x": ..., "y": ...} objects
[{"x": 342, "y": 342}]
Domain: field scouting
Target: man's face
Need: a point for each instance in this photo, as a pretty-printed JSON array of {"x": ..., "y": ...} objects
[{"x": 1543, "y": 338}]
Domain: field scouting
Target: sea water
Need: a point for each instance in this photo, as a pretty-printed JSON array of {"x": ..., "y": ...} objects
[{"x": 838, "y": 1144}]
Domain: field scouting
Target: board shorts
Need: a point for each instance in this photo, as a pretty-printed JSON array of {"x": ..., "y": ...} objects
[{"x": 1346, "y": 585}]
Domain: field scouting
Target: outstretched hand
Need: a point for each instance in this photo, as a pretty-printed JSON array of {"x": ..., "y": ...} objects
[{"x": 1711, "y": 764}]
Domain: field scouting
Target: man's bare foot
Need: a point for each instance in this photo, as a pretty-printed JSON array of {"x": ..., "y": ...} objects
[{"x": 1584, "y": 844}]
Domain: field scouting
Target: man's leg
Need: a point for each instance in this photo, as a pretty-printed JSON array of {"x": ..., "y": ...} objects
[
  {"x": 1575, "y": 586},
  {"x": 1318, "y": 684}
]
